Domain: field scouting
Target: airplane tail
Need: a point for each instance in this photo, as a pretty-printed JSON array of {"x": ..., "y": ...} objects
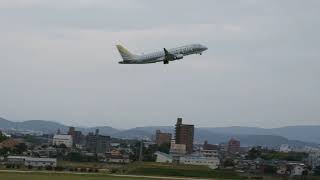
[{"x": 125, "y": 54}]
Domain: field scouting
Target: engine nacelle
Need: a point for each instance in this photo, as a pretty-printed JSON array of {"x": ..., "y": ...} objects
[{"x": 178, "y": 56}]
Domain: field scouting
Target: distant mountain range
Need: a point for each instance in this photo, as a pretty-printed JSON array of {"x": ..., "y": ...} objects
[
  {"x": 292, "y": 135},
  {"x": 50, "y": 127}
]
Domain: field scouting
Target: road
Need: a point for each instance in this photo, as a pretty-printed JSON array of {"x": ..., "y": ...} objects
[{"x": 115, "y": 175}]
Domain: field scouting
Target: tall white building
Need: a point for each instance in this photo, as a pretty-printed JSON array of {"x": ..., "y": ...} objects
[{"x": 59, "y": 139}]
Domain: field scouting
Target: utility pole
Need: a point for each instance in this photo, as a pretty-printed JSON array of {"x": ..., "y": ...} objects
[{"x": 140, "y": 153}]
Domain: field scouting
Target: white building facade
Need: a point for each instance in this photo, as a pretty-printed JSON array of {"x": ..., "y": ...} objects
[
  {"x": 297, "y": 169},
  {"x": 59, "y": 139},
  {"x": 40, "y": 162},
  {"x": 285, "y": 148},
  {"x": 211, "y": 162},
  {"x": 31, "y": 161},
  {"x": 163, "y": 157},
  {"x": 179, "y": 149},
  {"x": 209, "y": 153}
]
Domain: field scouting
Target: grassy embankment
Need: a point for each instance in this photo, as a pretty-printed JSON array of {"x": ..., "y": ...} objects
[
  {"x": 60, "y": 176},
  {"x": 156, "y": 169}
]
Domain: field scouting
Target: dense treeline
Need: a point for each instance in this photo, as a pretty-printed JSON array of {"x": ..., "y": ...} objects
[{"x": 271, "y": 154}]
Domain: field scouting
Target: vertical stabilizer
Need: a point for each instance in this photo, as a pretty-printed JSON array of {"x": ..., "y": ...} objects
[{"x": 125, "y": 54}]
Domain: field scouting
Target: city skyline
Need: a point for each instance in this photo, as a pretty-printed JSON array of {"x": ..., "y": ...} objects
[
  {"x": 155, "y": 125},
  {"x": 59, "y": 63}
]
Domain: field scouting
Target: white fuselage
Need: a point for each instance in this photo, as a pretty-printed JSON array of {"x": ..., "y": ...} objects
[{"x": 159, "y": 56}]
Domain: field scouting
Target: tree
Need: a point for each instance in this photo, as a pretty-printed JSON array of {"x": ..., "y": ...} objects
[
  {"x": 4, "y": 151},
  {"x": 135, "y": 151},
  {"x": 254, "y": 153},
  {"x": 228, "y": 163},
  {"x": 148, "y": 153},
  {"x": 20, "y": 148},
  {"x": 63, "y": 146},
  {"x": 270, "y": 169},
  {"x": 78, "y": 157},
  {"x": 74, "y": 156},
  {"x": 2, "y": 137},
  {"x": 317, "y": 171},
  {"x": 165, "y": 148},
  {"x": 48, "y": 168}
]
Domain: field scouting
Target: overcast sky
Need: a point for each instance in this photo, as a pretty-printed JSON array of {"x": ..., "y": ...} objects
[{"x": 58, "y": 62}]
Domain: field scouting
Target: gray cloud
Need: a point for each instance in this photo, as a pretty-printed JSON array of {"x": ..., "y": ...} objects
[{"x": 58, "y": 62}]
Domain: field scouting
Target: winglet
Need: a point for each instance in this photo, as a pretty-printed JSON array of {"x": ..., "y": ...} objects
[
  {"x": 165, "y": 51},
  {"x": 166, "y": 59}
]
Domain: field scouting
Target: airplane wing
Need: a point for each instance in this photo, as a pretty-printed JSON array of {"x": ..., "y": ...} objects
[{"x": 170, "y": 57}]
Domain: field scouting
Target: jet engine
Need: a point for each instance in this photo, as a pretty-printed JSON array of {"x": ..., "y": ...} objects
[{"x": 178, "y": 56}]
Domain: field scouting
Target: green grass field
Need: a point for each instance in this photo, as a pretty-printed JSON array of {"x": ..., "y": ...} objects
[
  {"x": 87, "y": 164},
  {"x": 59, "y": 176},
  {"x": 157, "y": 169}
]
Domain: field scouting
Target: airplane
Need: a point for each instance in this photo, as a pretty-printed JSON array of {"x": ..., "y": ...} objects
[{"x": 164, "y": 56}]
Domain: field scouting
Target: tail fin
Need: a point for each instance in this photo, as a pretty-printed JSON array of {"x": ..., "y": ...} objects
[{"x": 125, "y": 54}]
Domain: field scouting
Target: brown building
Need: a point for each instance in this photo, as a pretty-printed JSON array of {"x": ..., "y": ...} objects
[
  {"x": 77, "y": 137},
  {"x": 207, "y": 146},
  {"x": 97, "y": 143},
  {"x": 184, "y": 135},
  {"x": 233, "y": 146},
  {"x": 162, "y": 138}
]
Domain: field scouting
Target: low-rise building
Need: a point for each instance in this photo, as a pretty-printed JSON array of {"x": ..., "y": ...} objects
[
  {"x": 115, "y": 145},
  {"x": 5, "y": 134},
  {"x": 285, "y": 148},
  {"x": 10, "y": 143},
  {"x": 122, "y": 159},
  {"x": 31, "y": 161},
  {"x": 314, "y": 159},
  {"x": 16, "y": 160},
  {"x": 211, "y": 162},
  {"x": 178, "y": 149},
  {"x": 147, "y": 144},
  {"x": 209, "y": 150},
  {"x": 59, "y": 139},
  {"x": 209, "y": 153},
  {"x": 283, "y": 170},
  {"x": 40, "y": 162},
  {"x": 194, "y": 159},
  {"x": 115, "y": 156},
  {"x": 297, "y": 169},
  {"x": 163, "y": 157},
  {"x": 44, "y": 152}
]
